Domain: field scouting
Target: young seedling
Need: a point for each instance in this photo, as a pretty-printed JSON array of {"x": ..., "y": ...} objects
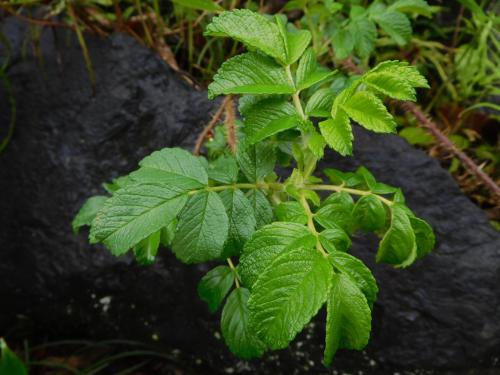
[{"x": 291, "y": 235}]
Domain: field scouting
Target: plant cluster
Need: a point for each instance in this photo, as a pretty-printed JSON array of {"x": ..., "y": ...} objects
[{"x": 291, "y": 235}]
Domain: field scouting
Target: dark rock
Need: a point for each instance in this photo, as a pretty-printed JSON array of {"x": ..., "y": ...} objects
[{"x": 442, "y": 313}]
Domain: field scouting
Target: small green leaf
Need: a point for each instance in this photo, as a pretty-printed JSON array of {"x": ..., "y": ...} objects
[
  {"x": 265, "y": 114},
  {"x": 316, "y": 143},
  {"x": 398, "y": 246},
  {"x": 341, "y": 197},
  {"x": 417, "y": 136},
  {"x": 396, "y": 25},
  {"x": 215, "y": 285},
  {"x": 146, "y": 250},
  {"x": 364, "y": 33},
  {"x": 335, "y": 239},
  {"x": 337, "y": 177},
  {"x": 368, "y": 110},
  {"x": 307, "y": 66},
  {"x": 335, "y": 215},
  {"x": 275, "y": 127},
  {"x": 167, "y": 233},
  {"x": 202, "y": 229},
  {"x": 10, "y": 364},
  {"x": 389, "y": 85},
  {"x": 224, "y": 170},
  {"x": 287, "y": 295},
  {"x": 338, "y": 133},
  {"x": 348, "y": 322},
  {"x": 88, "y": 212},
  {"x": 369, "y": 213},
  {"x": 266, "y": 244},
  {"x": 250, "y": 73},
  {"x": 252, "y": 29},
  {"x": 424, "y": 236},
  {"x": 235, "y": 329},
  {"x": 402, "y": 71},
  {"x": 412, "y": 6},
  {"x": 177, "y": 163},
  {"x": 241, "y": 220},
  {"x": 135, "y": 212},
  {"x": 256, "y": 161},
  {"x": 342, "y": 43},
  {"x": 292, "y": 212},
  {"x": 207, "y": 5},
  {"x": 358, "y": 272},
  {"x": 320, "y": 103},
  {"x": 261, "y": 207},
  {"x": 296, "y": 41}
]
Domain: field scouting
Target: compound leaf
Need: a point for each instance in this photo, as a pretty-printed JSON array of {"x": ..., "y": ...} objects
[
  {"x": 235, "y": 329},
  {"x": 288, "y": 294},
  {"x": 202, "y": 229},
  {"x": 215, "y": 285},
  {"x": 348, "y": 322}
]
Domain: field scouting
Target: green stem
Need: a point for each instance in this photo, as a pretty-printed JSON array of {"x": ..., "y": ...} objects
[
  {"x": 295, "y": 96},
  {"x": 339, "y": 188},
  {"x": 235, "y": 271},
  {"x": 310, "y": 224}
]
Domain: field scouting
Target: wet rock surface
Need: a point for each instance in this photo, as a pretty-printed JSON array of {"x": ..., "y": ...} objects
[{"x": 442, "y": 313}]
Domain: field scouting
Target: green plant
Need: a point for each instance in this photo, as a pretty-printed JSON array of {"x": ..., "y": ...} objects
[
  {"x": 10, "y": 364},
  {"x": 353, "y": 28},
  {"x": 291, "y": 239}
]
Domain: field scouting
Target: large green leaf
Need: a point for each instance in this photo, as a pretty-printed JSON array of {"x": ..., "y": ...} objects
[
  {"x": 235, "y": 329},
  {"x": 261, "y": 207},
  {"x": 359, "y": 274},
  {"x": 256, "y": 161},
  {"x": 10, "y": 364},
  {"x": 288, "y": 294},
  {"x": 332, "y": 215},
  {"x": 396, "y": 25},
  {"x": 369, "y": 111},
  {"x": 241, "y": 220},
  {"x": 202, "y": 229},
  {"x": 88, "y": 212},
  {"x": 369, "y": 213},
  {"x": 250, "y": 73},
  {"x": 265, "y": 245},
  {"x": 215, "y": 285},
  {"x": 207, "y": 5},
  {"x": 175, "y": 164},
  {"x": 348, "y": 322},
  {"x": 338, "y": 133},
  {"x": 252, "y": 29},
  {"x": 398, "y": 246},
  {"x": 135, "y": 212}
]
